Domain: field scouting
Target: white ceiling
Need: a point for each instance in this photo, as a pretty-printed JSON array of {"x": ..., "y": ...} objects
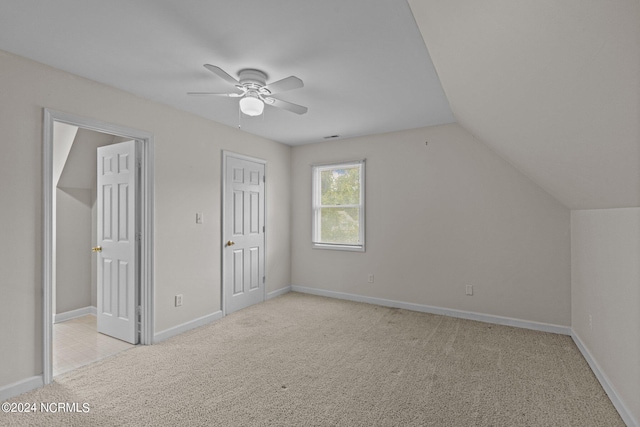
[
  {"x": 363, "y": 62},
  {"x": 552, "y": 86}
]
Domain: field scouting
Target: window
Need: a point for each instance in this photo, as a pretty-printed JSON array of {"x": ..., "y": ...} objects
[{"x": 338, "y": 206}]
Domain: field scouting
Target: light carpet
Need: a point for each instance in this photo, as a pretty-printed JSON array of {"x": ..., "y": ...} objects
[{"x": 302, "y": 360}]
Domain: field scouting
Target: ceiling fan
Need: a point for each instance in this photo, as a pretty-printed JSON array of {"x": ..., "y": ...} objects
[{"x": 254, "y": 92}]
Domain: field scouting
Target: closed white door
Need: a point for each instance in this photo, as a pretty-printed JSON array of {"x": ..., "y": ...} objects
[
  {"x": 117, "y": 184},
  {"x": 243, "y": 234}
]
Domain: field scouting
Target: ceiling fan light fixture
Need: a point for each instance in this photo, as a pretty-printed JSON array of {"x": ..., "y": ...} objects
[
  {"x": 254, "y": 91},
  {"x": 251, "y": 105}
]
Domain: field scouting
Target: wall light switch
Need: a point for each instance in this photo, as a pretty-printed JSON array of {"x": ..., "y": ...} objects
[
  {"x": 198, "y": 218},
  {"x": 469, "y": 290}
]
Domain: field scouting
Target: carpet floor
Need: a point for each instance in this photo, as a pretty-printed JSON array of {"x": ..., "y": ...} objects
[{"x": 302, "y": 360}]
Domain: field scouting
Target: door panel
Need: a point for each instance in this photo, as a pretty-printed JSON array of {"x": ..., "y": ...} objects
[
  {"x": 238, "y": 213},
  {"x": 238, "y": 272},
  {"x": 243, "y": 258},
  {"x": 254, "y": 267},
  {"x": 254, "y": 212},
  {"x": 117, "y": 273}
]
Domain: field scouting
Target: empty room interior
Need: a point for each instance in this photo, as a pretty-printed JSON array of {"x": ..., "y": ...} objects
[{"x": 362, "y": 212}]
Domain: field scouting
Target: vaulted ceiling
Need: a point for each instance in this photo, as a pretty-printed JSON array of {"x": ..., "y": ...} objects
[{"x": 552, "y": 86}]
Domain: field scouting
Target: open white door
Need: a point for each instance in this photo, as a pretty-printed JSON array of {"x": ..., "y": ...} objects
[
  {"x": 117, "y": 243},
  {"x": 243, "y": 234}
]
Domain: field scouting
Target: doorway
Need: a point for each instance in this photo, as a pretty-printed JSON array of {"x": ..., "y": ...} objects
[
  {"x": 73, "y": 183},
  {"x": 243, "y": 231},
  {"x": 82, "y": 304}
]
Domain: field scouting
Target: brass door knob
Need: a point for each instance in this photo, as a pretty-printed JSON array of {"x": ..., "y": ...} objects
[
  {"x": 97, "y": 249},
  {"x": 231, "y": 243}
]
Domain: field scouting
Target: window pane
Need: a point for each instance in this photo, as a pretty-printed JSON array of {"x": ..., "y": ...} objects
[
  {"x": 340, "y": 186},
  {"x": 339, "y": 225},
  {"x": 338, "y": 206}
]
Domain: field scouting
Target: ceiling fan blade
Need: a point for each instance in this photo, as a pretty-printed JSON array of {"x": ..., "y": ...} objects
[
  {"x": 289, "y": 106},
  {"x": 232, "y": 95},
  {"x": 222, "y": 74},
  {"x": 288, "y": 83}
]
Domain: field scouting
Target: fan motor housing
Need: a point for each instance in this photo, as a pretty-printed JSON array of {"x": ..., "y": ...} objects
[{"x": 250, "y": 77}]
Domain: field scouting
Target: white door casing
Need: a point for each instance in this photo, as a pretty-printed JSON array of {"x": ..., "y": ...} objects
[
  {"x": 243, "y": 234},
  {"x": 117, "y": 187},
  {"x": 146, "y": 221}
]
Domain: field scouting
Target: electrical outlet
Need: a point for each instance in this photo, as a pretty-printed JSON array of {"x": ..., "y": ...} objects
[
  {"x": 198, "y": 218},
  {"x": 469, "y": 290},
  {"x": 178, "y": 300},
  {"x": 370, "y": 279}
]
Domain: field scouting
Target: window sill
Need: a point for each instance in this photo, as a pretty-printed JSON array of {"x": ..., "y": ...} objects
[{"x": 351, "y": 248}]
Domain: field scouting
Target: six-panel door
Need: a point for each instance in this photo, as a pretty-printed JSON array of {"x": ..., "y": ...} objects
[
  {"x": 243, "y": 254},
  {"x": 116, "y": 221}
]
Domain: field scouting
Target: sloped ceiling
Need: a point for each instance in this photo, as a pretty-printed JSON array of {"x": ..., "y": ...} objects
[
  {"x": 63, "y": 137},
  {"x": 80, "y": 168},
  {"x": 552, "y": 86}
]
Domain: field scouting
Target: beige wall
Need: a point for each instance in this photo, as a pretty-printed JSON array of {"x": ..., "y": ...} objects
[
  {"x": 187, "y": 160},
  {"x": 439, "y": 217},
  {"x": 605, "y": 276},
  {"x": 75, "y": 222},
  {"x": 73, "y": 269}
]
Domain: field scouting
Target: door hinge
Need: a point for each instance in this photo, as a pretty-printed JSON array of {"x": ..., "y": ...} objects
[
  {"x": 139, "y": 310},
  {"x": 263, "y": 228},
  {"x": 139, "y": 164},
  {"x": 264, "y": 278},
  {"x": 138, "y": 235},
  {"x": 264, "y": 178}
]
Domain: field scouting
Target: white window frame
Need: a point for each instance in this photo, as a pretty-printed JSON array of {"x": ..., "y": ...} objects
[{"x": 316, "y": 169}]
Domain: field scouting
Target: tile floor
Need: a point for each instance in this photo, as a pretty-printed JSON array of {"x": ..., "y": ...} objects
[{"x": 76, "y": 342}]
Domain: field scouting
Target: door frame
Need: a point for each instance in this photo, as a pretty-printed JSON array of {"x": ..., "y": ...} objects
[
  {"x": 146, "y": 225},
  {"x": 226, "y": 154}
]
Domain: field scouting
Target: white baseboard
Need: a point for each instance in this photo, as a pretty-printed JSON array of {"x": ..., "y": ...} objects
[
  {"x": 278, "y": 292},
  {"x": 176, "y": 330},
  {"x": 488, "y": 318},
  {"x": 17, "y": 388},
  {"x": 627, "y": 417},
  {"x": 201, "y": 321},
  {"x": 68, "y": 315}
]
